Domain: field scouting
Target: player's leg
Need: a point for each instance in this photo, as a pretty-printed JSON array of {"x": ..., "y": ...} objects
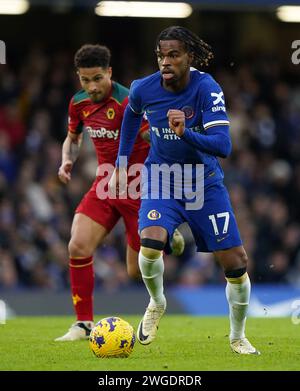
[
  {"x": 132, "y": 263},
  {"x": 238, "y": 288},
  {"x": 215, "y": 230},
  {"x": 177, "y": 243},
  {"x": 157, "y": 221},
  {"x": 132, "y": 255},
  {"x": 93, "y": 219},
  {"x": 153, "y": 240},
  {"x": 129, "y": 210},
  {"x": 86, "y": 235}
]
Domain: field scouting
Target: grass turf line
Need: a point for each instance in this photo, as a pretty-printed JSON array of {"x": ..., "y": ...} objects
[{"x": 183, "y": 343}]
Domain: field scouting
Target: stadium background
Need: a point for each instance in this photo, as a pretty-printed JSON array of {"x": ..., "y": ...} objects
[{"x": 262, "y": 88}]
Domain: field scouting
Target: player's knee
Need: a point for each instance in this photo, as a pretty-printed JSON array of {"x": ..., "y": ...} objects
[
  {"x": 238, "y": 259},
  {"x": 150, "y": 253},
  {"x": 152, "y": 247},
  {"x": 242, "y": 258},
  {"x": 236, "y": 276},
  {"x": 239, "y": 266},
  {"x": 78, "y": 249}
]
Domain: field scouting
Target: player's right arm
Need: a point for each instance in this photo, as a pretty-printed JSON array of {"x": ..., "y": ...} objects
[
  {"x": 71, "y": 145},
  {"x": 70, "y": 153},
  {"x": 216, "y": 137}
]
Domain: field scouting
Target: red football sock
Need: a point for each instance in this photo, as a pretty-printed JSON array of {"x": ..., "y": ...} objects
[{"x": 82, "y": 286}]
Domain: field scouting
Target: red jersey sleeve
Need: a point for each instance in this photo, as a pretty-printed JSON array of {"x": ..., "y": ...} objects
[
  {"x": 75, "y": 124},
  {"x": 144, "y": 124}
]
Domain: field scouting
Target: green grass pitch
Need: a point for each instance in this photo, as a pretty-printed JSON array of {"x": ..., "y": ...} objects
[{"x": 185, "y": 343}]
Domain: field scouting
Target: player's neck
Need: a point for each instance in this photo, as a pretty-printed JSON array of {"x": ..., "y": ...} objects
[
  {"x": 177, "y": 85},
  {"x": 108, "y": 92}
]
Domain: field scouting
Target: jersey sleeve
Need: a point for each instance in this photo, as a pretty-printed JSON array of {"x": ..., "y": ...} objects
[
  {"x": 213, "y": 106},
  {"x": 135, "y": 101},
  {"x": 216, "y": 140},
  {"x": 144, "y": 124},
  {"x": 130, "y": 127},
  {"x": 75, "y": 124}
]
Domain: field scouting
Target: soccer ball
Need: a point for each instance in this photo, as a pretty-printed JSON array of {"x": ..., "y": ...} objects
[{"x": 112, "y": 337}]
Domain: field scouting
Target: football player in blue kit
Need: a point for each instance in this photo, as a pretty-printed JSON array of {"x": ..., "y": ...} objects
[{"x": 189, "y": 130}]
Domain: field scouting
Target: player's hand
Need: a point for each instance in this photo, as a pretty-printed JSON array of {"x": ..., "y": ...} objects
[
  {"x": 176, "y": 121},
  {"x": 118, "y": 182},
  {"x": 64, "y": 171}
]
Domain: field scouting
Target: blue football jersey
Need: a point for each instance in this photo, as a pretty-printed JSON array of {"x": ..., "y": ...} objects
[
  {"x": 203, "y": 103},
  {"x": 197, "y": 197}
]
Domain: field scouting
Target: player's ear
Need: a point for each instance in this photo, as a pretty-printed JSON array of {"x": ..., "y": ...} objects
[
  {"x": 79, "y": 79},
  {"x": 109, "y": 69}
]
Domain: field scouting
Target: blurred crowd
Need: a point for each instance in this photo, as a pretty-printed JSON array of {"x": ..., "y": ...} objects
[{"x": 36, "y": 210}]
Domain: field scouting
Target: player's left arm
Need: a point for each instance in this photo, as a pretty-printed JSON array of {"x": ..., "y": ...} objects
[
  {"x": 71, "y": 147},
  {"x": 131, "y": 124},
  {"x": 144, "y": 130},
  {"x": 216, "y": 140}
]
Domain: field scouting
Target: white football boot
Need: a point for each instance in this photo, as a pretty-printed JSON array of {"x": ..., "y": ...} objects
[
  {"x": 177, "y": 243},
  {"x": 243, "y": 346},
  {"x": 78, "y": 330},
  {"x": 149, "y": 324}
]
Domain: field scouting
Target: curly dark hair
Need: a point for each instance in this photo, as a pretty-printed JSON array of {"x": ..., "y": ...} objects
[
  {"x": 89, "y": 56},
  {"x": 193, "y": 44}
]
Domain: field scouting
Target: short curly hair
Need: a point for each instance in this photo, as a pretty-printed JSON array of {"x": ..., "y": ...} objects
[{"x": 90, "y": 56}]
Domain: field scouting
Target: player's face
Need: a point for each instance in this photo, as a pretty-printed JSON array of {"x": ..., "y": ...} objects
[
  {"x": 96, "y": 82},
  {"x": 174, "y": 63}
]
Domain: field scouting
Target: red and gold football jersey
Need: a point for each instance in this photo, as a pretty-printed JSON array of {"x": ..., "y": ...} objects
[{"x": 103, "y": 123}]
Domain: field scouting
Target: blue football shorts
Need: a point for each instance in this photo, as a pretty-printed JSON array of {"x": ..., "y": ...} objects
[{"x": 213, "y": 226}]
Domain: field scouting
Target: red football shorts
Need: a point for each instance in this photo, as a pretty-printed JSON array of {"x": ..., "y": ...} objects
[{"x": 107, "y": 212}]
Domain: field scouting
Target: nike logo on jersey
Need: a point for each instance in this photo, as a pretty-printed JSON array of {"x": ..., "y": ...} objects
[
  {"x": 85, "y": 113},
  {"x": 221, "y": 239},
  {"x": 151, "y": 111},
  {"x": 219, "y": 97}
]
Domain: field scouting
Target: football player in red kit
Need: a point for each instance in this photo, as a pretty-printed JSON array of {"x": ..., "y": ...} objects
[{"x": 98, "y": 109}]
